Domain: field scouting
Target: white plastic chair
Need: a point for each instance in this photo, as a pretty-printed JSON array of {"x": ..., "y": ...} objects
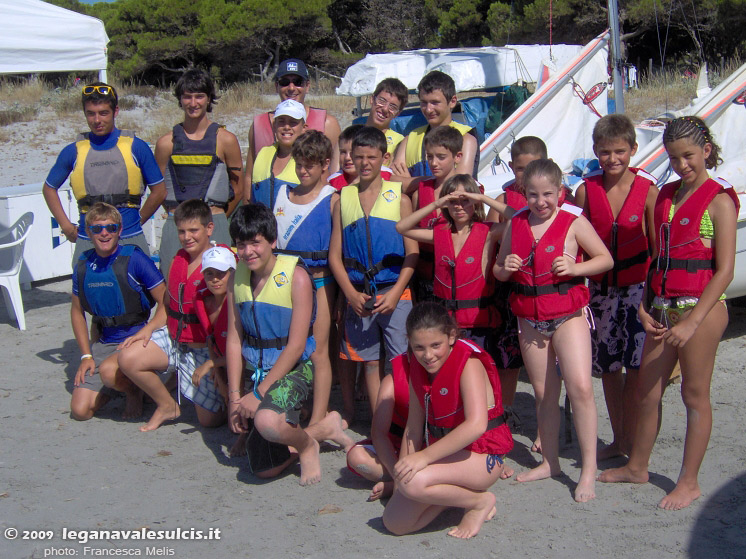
[{"x": 12, "y": 242}]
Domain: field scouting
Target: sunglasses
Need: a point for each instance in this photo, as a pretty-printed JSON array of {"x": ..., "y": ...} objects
[
  {"x": 98, "y": 229},
  {"x": 102, "y": 89},
  {"x": 285, "y": 81}
]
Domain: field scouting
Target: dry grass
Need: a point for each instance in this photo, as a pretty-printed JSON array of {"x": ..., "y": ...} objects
[
  {"x": 17, "y": 114},
  {"x": 664, "y": 92},
  {"x": 23, "y": 93}
]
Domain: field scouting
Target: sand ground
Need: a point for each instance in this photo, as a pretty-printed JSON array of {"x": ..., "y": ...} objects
[{"x": 56, "y": 473}]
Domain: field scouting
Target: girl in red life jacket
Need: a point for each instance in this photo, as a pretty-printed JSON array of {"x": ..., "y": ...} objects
[
  {"x": 550, "y": 299},
  {"x": 465, "y": 247},
  {"x": 695, "y": 220},
  {"x": 218, "y": 265},
  {"x": 456, "y": 410},
  {"x": 374, "y": 459}
]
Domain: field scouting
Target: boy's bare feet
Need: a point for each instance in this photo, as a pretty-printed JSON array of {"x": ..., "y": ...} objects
[
  {"x": 542, "y": 471},
  {"x": 507, "y": 472},
  {"x": 474, "y": 518},
  {"x": 331, "y": 428},
  {"x": 239, "y": 447},
  {"x": 610, "y": 451},
  {"x": 586, "y": 488},
  {"x": 160, "y": 415},
  {"x": 381, "y": 490},
  {"x": 132, "y": 404},
  {"x": 681, "y": 497},
  {"x": 310, "y": 467},
  {"x": 536, "y": 447},
  {"x": 623, "y": 475}
]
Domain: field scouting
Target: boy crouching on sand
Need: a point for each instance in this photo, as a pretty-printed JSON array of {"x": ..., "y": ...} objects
[
  {"x": 174, "y": 340},
  {"x": 117, "y": 285},
  {"x": 271, "y": 308}
]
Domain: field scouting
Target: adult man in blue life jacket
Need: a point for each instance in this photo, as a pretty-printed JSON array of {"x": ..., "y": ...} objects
[
  {"x": 105, "y": 165},
  {"x": 117, "y": 285},
  {"x": 291, "y": 82},
  {"x": 200, "y": 160}
]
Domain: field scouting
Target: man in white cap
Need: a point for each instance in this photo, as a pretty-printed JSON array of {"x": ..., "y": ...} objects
[
  {"x": 292, "y": 83},
  {"x": 274, "y": 165}
]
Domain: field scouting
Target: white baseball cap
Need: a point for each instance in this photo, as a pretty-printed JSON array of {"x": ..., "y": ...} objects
[
  {"x": 291, "y": 108},
  {"x": 219, "y": 258}
]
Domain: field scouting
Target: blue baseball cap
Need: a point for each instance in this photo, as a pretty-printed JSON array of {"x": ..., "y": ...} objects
[{"x": 292, "y": 66}]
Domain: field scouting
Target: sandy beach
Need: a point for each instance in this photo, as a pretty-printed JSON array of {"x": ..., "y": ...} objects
[{"x": 103, "y": 477}]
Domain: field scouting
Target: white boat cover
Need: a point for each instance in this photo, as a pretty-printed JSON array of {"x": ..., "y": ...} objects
[
  {"x": 470, "y": 68},
  {"x": 40, "y": 37}
]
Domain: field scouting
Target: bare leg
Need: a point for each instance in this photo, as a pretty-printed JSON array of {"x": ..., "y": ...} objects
[
  {"x": 572, "y": 343},
  {"x": 629, "y": 410},
  {"x": 613, "y": 383},
  {"x": 138, "y": 364},
  {"x": 658, "y": 360},
  {"x": 461, "y": 480},
  {"x": 697, "y": 360},
  {"x": 540, "y": 361},
  {"x": 347, "y": 376},
  {"x": 209, "y": 418},
  {"x": 330, "y": 429},
  {"x": 366, "y": 463},
  {"x": 322, "y": 367},
  {"x": 372, "y": 382},
  {"x": 85, "y": 402},
  {"x": 274, "y": 428},
  {"x": 114, "y": 378}
]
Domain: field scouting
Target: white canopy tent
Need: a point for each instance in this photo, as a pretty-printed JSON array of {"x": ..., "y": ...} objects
[{"x": 39, "y": 37}]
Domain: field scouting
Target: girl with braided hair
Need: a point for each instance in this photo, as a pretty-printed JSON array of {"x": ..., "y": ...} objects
[{"x": 683, "y": 311}]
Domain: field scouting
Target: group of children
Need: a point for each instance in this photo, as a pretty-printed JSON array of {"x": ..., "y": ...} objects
[{"x": 375, "y": 264}]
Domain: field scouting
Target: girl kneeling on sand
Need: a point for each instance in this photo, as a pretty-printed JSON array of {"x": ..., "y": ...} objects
[
  {"x": 695, "y": 220},
  {"x": 455, "y": 408},
  {"x": 540, "y": 255}
]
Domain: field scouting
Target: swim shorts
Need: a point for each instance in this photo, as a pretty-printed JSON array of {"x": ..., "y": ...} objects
[
  {"x": 205, "y": 395},
  {"x": 619, "y": 336},
  {"x": 287, "y": 394},
  {"x": 362, "y": 335},
  {"x": 100, "y": 352}
]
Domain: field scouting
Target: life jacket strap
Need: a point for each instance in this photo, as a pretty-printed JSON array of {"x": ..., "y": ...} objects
[
  {"x": 440, "y": 432},
  {"x": 563, "y": 288},
  {"x": 129, "y": 319},
  {"x": 188, "y": 318},
  {"x": 116, "y": 200},
  {"x": 455, "y": 305}
]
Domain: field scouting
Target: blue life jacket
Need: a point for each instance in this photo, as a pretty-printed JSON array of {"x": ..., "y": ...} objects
[
  {"x": 266, "y": 319},
  {"x": 106, "y": 293},
  {"x": 305, "y": 230},
  {"x": 372, "y": 249}
]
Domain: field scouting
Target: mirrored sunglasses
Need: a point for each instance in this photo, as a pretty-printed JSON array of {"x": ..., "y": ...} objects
[
  {"x": 102, "y": 89},
  {"x": 98, "y": 229},
  {"x": 285, "y": 81}
]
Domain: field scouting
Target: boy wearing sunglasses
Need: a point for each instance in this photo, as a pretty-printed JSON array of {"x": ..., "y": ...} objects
[
  {"x": 291, "y": 82},
  {"x": 199, "y": 159},
  {"x": 117, "y": 285},
  {"x": 105, "y": 165}
]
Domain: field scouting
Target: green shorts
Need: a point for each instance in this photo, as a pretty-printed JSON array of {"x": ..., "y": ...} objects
[{"x": 287, "y": 394}]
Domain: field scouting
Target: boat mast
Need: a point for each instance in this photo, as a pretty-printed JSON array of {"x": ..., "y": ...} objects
[{"x": 616, "y": 50}]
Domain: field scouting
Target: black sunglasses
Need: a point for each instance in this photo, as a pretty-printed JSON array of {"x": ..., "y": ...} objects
[
  {"x": 285, "y": 81},
  {"x": 110, "y": 227}
]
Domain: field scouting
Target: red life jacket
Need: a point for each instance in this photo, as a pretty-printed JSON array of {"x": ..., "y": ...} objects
[
  {"x": 538, "y": 294},
  {"x": 624, "y": 236},
  {"x": 183, "y": 322},
  {"x": 425, "y": 196},
  {"x": 459, "y": 280},
  {"x": 442, "y": 403},
  {"x": 517, "y": 200},
  {"x": 265, "y": 136},
  {"x": 400, "y": 376},
  {"x": 684, "y": 265},
  {"x": 218, "y": 330},
  {"x": 513, "y": 198}
]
